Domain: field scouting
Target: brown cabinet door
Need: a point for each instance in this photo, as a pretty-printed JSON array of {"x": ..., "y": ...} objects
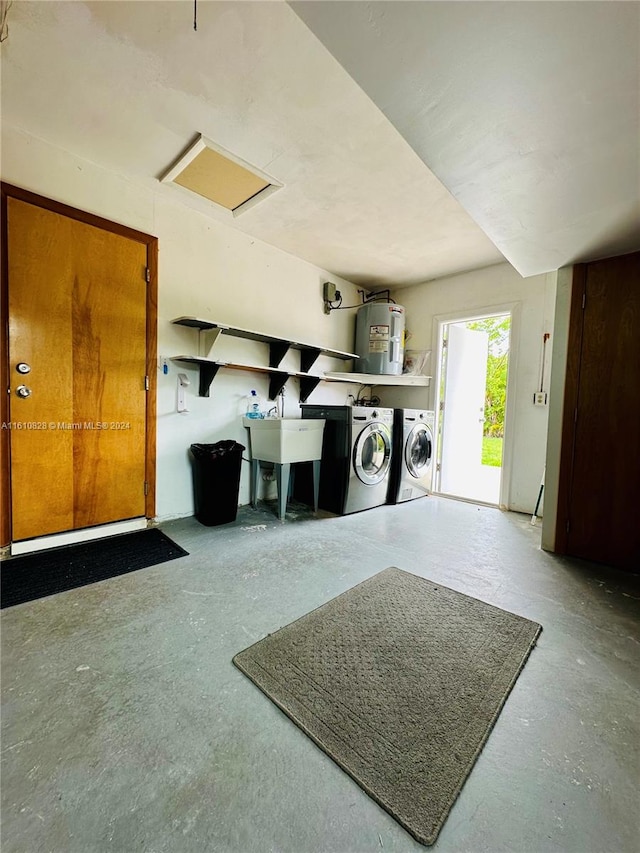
[
  {"x": 77, "y": 319},
  {"x": 604, "y": 496}
]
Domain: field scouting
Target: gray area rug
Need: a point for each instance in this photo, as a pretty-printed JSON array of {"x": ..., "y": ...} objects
[{"x": 399, "y": 680}]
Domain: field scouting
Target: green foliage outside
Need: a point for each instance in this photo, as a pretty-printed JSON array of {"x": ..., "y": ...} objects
[
  {"x": 492, "y": 452},
  {"x": 496, "y": 391}
]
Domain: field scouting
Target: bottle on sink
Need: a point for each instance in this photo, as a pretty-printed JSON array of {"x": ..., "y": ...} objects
[{"x": 255, "y": 408}]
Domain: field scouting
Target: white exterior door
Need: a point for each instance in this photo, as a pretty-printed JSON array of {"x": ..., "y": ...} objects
[{"x": 463, "y": 413}]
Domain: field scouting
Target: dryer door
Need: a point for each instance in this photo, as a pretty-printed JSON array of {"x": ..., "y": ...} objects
[
  {"x": 418, "y": 450},
  {"x": 372, "y": 453}
]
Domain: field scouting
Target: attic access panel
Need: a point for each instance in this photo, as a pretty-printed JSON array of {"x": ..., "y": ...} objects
[{"x": 230, "y": 183}]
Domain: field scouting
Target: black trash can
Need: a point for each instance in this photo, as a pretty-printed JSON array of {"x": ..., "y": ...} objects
[{"x": 216, "y": 481}]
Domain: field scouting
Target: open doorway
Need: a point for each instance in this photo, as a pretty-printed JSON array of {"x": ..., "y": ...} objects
[{"x": 474, "y": 362}]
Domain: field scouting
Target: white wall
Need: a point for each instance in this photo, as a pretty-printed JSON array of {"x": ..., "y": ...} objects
[
  {"x": 207, "y": 270},
  {"x": 483, "y": 291}
]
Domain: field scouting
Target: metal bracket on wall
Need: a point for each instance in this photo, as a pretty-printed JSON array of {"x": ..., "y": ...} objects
[
  {"x": 277, "y": 351},
  {"x": 307, "y": 385},
  {"x": 206, "y": 340},
  {"x": 207, "y": 373},
  {"x": 207, "y": 370},
  {"x": 277, "y": 380},
  {"x": 308, "y": 358}
]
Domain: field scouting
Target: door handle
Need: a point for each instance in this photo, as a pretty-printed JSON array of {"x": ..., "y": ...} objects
[{"x": 23, "y": 391}]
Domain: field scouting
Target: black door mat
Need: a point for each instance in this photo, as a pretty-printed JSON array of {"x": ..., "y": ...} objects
[{"x": 58, "y": 569}]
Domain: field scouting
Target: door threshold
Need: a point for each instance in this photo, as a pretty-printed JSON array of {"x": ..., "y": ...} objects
[
  {"x": 467, "y": 500},
  {"x": 71, "y": 537}
]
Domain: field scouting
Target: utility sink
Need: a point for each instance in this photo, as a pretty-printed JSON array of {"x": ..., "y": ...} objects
[{"x": 285, "y": 440}]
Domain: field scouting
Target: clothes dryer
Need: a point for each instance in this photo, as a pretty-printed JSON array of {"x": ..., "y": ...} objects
[
  {"x": 356, "y": 457},
  {"x": 412, "y": 468}
]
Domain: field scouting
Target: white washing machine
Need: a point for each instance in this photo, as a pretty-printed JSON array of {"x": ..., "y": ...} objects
[
  {"x": 413, "y": 449},
  {"x": 355, "y": 468},
  {"x": 371, "y": 453}
]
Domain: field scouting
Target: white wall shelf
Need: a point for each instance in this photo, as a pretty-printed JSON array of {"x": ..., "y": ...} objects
[
  {"x": 379, "y": 379},
  {"x": 278, "y": 347},
  {"x": 209, "y": 331},
  {"x": 277, "y": 378}
]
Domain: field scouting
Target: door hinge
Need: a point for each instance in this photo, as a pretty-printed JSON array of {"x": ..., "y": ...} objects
[
  {"x": 568, "y": 526},
  {"x": 575, "y": 415},
  {"x": 146, "y": 383},
  {"x": 147, "y": 275},
  {"x": 445, "y": 343},
  {"x": 437, "y": 466},
  {"x": 146, "y": 488},
  {"x": 584, "y": 300}
]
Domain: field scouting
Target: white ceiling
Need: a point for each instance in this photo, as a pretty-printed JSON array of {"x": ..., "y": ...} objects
[
  {"x": 528, "y": 112},
  {"x": 540, "y": 153}
]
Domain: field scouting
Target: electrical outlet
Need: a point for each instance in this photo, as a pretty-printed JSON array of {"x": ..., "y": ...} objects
[
  {"x": 540, "y": 398},
  {"x": 329, "y": 295},
  {"x": 329, "y": 292}
]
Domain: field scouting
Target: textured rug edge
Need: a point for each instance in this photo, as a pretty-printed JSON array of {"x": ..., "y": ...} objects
[
  {"x": 328, "y": 751},
  {"x": 525, "y": 657},
  {"x": 370, "y": 578},
  {"x": 425, "y": 839}
]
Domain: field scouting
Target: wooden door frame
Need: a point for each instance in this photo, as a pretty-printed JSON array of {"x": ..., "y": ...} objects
[
  {"x": 151, "y": 243},
  {"x": 570, "y": 406}
]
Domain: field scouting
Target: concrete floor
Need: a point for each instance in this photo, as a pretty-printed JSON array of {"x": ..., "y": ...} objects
[{"x": 127, "y": 728}]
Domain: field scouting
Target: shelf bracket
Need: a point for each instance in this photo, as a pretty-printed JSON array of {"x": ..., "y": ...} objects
[
  {"x": 277, "y": 351},
  {"x": 307, "y": 385},
  {"x": 308, "y": 357},
  {"x": 206, "y": 340},
  {"x": 207, "y": 372},
  {"x": 277, "y": 381}
]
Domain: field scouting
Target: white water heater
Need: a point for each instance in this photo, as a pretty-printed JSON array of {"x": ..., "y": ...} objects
[{"x": 380, "y": 338}]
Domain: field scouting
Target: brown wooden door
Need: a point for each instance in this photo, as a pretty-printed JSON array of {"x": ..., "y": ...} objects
[
  {"x": 77, "y": 318},
  {"x": 604, "y": 495}
]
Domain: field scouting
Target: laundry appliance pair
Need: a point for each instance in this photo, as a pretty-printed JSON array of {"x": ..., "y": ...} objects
[{"x": 371, "y": 456}]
